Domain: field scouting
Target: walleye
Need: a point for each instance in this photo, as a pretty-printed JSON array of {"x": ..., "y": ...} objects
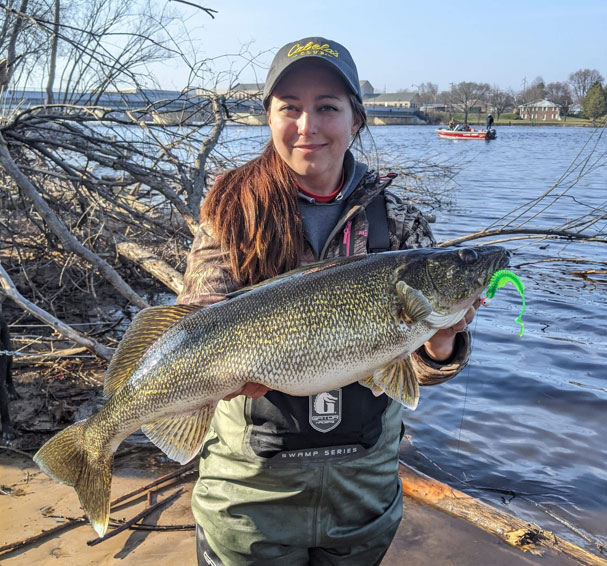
[{"x": 316, "y": 329}]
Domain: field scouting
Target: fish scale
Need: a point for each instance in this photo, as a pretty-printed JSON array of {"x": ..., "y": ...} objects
[{"x": 317, "y": 329}]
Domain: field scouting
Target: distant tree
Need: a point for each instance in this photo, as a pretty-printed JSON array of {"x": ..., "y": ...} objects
[
  {"x": 469, "y": 94},
  {"x": 560, "y": 93},
  {"x": 535, "y": 91},
  {"x": 595, "y": 102},
  {"x": 499, "y": 100},
  {"x": 22, "y": 43},
  {"x": 444, "y": 97},
  {"x": 427, "y": 92},
  {"x": 582, "y": 80}
]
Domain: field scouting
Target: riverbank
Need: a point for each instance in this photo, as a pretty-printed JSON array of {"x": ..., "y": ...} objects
[
  {"x": 387, "y": 120},
  {"x": 31, "y": 503}
]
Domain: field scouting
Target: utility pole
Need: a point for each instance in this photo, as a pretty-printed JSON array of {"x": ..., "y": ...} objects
[{"x": 451, "y": 99}]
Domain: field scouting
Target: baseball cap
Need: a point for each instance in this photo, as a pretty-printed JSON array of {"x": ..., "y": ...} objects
[{"x": 333, "y": 53}]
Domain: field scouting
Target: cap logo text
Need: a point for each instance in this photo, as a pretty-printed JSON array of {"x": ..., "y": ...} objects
[{"x": 312, "y": 48}]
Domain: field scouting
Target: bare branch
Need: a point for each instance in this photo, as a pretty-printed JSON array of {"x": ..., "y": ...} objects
[
  {"x": 61, "y": 231},
  {"x": 209, "y": 11},
  {"x": 9, "y": 289}
]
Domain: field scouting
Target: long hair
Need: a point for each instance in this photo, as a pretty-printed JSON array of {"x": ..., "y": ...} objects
[{"x": 254, "y": 214}]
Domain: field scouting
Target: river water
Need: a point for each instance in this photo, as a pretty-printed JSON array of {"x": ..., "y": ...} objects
[
  {"x": 528, "y": 417},
  {"x": 524, "y": 425}
]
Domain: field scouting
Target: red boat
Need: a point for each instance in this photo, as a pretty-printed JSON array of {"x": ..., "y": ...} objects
[{"x": 470, "y": 134}]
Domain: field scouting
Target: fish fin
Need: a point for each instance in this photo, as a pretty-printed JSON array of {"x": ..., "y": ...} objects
[
  {"x": 68, "y": 459},
  {"x": 302, "y": 270},
  {"x": 180, "y": 437},
  {"x": 398, "y": 381},
  {"x": 413, "y": 305},
  {"x": 370, "y": 383},
  {"x": 147, "y": 326}
]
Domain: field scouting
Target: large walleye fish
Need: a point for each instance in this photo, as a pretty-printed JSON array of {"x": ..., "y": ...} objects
[{"x": 312, "y": 330}]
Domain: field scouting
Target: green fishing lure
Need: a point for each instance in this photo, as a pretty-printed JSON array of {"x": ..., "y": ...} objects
[{"x": 499, "y": 279}]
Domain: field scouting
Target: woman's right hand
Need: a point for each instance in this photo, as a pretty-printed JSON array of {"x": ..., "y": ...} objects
[{"x": 250, "y": 389}]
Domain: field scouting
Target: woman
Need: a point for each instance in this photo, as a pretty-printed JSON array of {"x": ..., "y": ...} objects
[{"x": 297, "y": 480}]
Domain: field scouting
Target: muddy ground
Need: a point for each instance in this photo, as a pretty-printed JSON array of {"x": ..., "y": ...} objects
[{"x": 54, "y": 395}]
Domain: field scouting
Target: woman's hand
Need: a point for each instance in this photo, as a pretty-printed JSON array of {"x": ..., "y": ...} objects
[
  {"x": 440, "y": 346},
  {"x": 250, "y": 389}
]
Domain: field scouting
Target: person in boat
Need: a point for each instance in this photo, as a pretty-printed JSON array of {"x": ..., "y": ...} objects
[
  {"x": 489, "y": 122},
  {"x": 277, "y": 485},
  {"x": 452, "y": 123},
  {"x": 465, "y": 128}
]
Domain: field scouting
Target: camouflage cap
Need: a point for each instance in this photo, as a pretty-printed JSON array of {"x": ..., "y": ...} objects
[{"x": 327, "y": 50}]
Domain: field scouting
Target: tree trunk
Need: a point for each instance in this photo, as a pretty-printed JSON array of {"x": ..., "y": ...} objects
[{"x": 53, "y": 56}]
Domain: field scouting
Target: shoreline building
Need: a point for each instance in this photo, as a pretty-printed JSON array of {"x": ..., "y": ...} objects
[{"x": 541, "y": 110}]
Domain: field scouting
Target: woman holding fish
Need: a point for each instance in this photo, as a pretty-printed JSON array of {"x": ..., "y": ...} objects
[{"x": 305, "y": 480}]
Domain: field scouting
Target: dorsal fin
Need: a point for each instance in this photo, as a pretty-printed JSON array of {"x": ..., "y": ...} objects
[
  {"x": 145, "y": 329},
  {"x": 302, "y": 270}
]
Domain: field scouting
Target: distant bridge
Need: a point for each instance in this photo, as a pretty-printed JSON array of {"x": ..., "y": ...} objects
[{"x": 162, "y": 106}]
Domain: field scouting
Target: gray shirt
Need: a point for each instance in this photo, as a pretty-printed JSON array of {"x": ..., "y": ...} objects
[{"x": 320, "y": 218}]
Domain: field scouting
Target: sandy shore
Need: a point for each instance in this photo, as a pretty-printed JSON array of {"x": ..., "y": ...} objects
[{"x": 30, "y": 502}]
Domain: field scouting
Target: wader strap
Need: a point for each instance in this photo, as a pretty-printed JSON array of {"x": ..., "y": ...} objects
[{"x": 379, "y": 235}]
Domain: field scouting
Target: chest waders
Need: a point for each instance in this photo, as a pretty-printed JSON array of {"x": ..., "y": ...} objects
[{"x": 298, "y": 480}]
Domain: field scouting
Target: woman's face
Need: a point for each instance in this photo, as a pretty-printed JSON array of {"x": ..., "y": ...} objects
[{"x": 312, "y": 122}]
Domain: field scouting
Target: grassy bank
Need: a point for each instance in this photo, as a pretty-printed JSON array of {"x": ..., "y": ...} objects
[{"x": 479, "y": 120}]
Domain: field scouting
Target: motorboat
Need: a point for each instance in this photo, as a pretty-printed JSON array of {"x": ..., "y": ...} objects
[{"x": 466, "y": 134}]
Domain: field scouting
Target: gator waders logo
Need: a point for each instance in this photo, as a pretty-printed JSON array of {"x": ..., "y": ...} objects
[
  {"x": 312, "y": 48},
  {"x": 325, "y": 410}
]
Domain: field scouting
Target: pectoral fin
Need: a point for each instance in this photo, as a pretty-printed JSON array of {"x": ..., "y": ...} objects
[
  {"x": 180, "y": 437},
  {"x": 397, "y": 380},
  {"x": 413, "y": 305}
]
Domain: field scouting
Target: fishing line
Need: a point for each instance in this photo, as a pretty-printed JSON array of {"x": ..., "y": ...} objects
[
  {"x": 468, "y": 369},
  {"x": 507, "y": 492}
]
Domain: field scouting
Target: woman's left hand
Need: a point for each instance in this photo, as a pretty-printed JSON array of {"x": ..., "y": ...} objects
[{"x": 440, "y": 346}]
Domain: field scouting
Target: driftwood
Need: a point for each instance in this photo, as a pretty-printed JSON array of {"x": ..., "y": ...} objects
[
  {"x": 520, "y": 534},
  {"x": 155, "y": 266}
]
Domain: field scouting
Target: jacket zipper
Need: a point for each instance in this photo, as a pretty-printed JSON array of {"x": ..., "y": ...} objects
[{"x": 348, "y": 237}]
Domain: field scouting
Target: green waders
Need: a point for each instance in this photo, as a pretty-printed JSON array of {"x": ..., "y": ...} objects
[{"x": 329, "y": 505}]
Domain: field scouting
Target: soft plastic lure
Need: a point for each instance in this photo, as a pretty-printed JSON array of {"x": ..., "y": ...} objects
[{"x": 499, "y": 279}]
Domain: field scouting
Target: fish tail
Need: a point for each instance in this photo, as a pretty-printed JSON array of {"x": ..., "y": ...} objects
[{"x": 68, "y": 459}]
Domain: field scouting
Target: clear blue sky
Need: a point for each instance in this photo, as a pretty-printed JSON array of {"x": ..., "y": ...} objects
[{"x": 399, "y": 43}]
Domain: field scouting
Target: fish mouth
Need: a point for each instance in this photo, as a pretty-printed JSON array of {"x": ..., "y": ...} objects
[{"x": 462, "y": 299}]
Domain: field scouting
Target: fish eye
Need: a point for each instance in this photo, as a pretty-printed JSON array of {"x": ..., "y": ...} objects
[{"x": 468, "y": 256}]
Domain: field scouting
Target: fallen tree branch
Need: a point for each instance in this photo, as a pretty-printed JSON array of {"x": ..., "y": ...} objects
[
  {"x": 531, "y": 232},
  {"x": 520, "y": 534},
  {"x": 155, "y": 266},
  {"x": 8, "y": 288},
  {"x": 181, "y": 471},
  {"x": 147, "y": 511},
  {"x": 31, "y": 540},
  {"x": 61, "y": 231}
]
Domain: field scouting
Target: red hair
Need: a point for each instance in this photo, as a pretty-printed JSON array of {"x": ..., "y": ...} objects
[{"x": 254, "y": 214}]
